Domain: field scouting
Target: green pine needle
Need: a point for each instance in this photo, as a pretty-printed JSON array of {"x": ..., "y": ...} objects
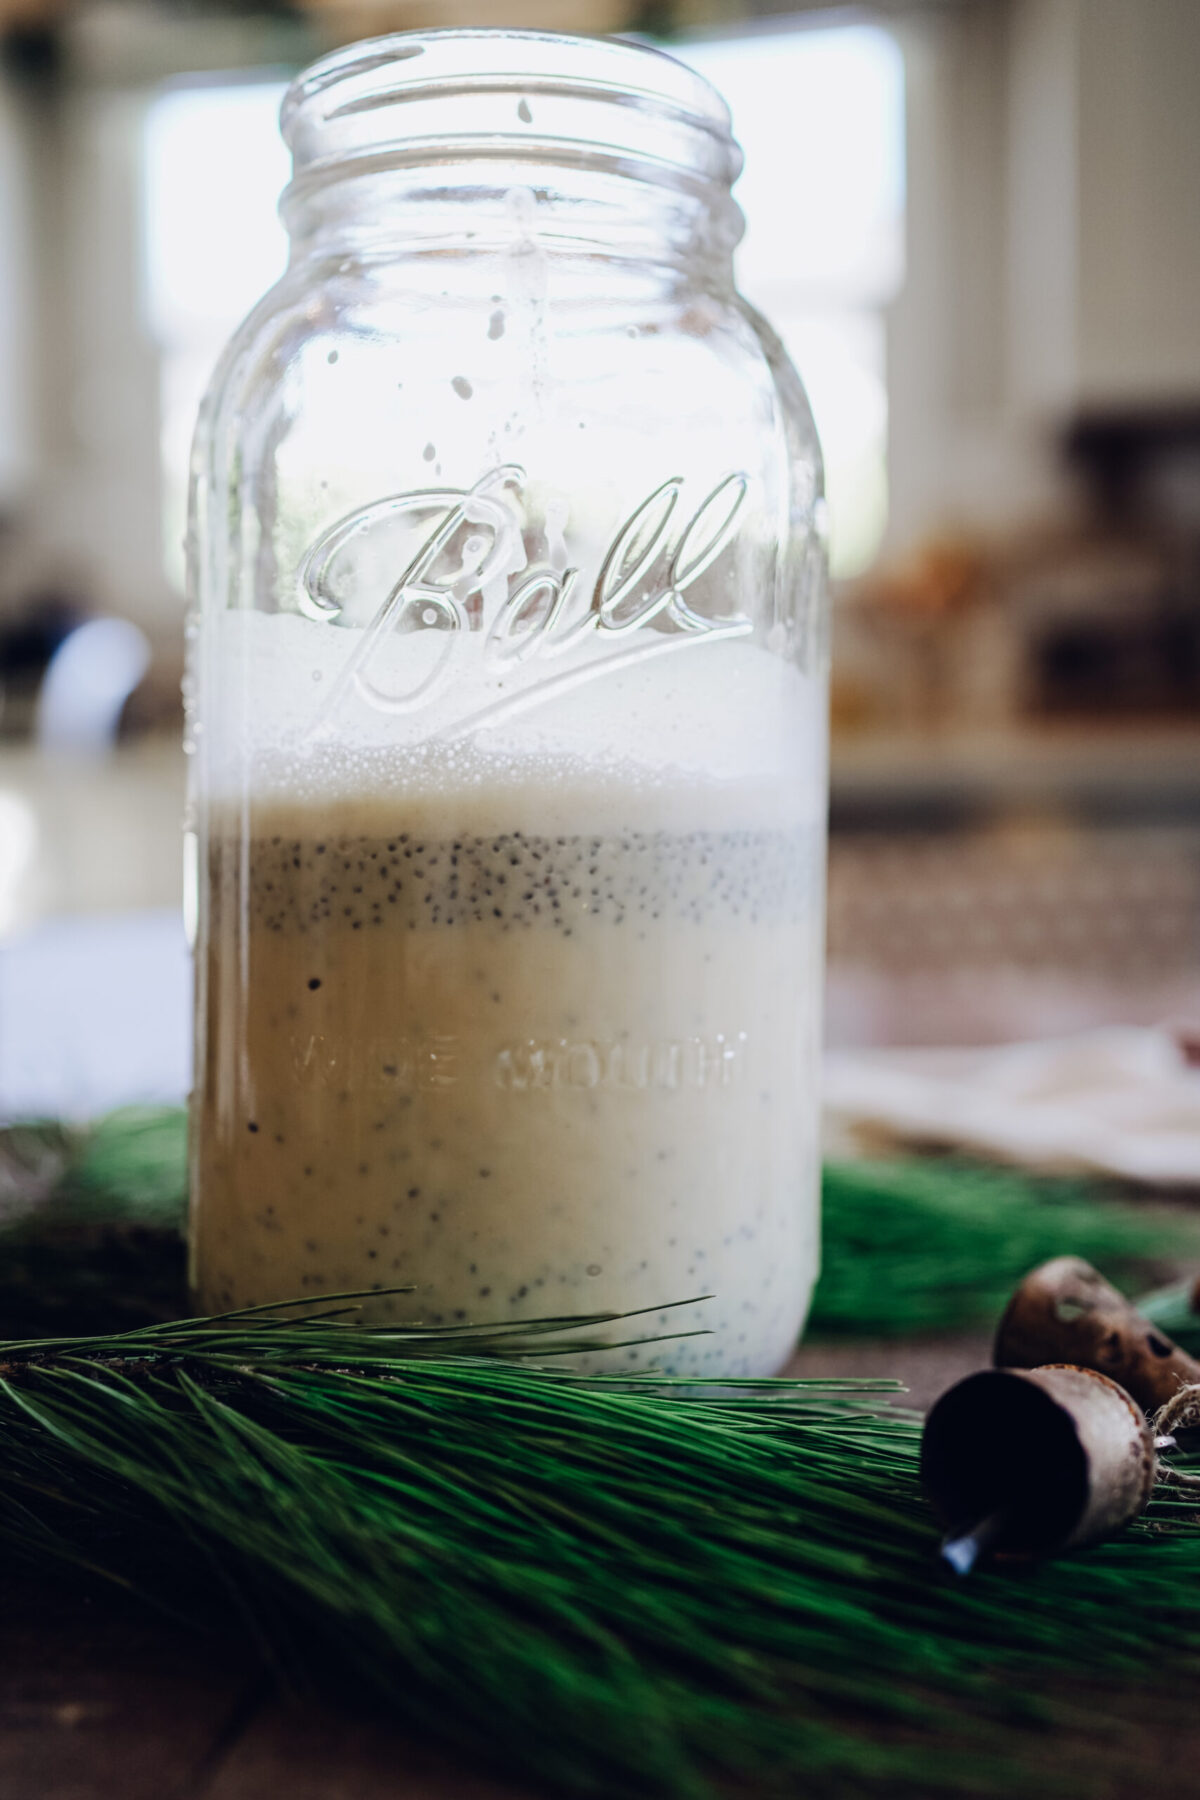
[
  {"x": 610, "y": 1586},
  {"x": 931, "y": 1245},
  {"x": 606, "y": 1585},
  {"x": 91, "y": 1223}
]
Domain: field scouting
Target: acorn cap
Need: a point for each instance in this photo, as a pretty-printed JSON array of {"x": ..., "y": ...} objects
[
  {"x": 1028, "y": 1463},
  {"x": 1066, "y": 1312}
]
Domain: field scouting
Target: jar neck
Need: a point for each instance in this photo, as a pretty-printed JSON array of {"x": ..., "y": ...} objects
[
  {"x": 383, "y": 212},
  {"x": 488, "y": 141}
]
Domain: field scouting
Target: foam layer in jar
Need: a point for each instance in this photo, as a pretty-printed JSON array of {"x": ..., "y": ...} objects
[{"x": 694, "y": 735}]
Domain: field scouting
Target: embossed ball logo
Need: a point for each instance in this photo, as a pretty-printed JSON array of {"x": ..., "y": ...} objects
[{"x": 469, "y": 574}]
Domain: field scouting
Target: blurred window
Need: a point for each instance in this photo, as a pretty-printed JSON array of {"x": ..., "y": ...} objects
[
  {"x": 820, "y": 115},
  {"x": 212, "y": 244}
]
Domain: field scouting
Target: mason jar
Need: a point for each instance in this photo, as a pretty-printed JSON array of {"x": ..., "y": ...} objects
[{"x": 507, "y": 720}]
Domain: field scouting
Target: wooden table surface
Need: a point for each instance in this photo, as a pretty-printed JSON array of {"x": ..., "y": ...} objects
[{"x": 101, "y": 1701}]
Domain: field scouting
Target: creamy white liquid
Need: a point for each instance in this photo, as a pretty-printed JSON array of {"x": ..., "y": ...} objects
[{"x": 530, "y": 1029}]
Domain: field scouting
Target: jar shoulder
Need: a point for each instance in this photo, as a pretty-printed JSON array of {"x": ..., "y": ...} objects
[
  {"x": 794, "y": 405},
  {"x": 379, "y": 350}
]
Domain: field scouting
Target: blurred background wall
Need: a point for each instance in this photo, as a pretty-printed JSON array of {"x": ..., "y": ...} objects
[{"x": 976, "y": 224}]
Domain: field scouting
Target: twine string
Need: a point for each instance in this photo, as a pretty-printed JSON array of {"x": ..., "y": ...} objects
[{"x": 1181, "y": 1413}]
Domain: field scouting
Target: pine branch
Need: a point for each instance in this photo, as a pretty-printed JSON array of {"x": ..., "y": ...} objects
[
  {"x": 91, "y": 1223},
  {"x": 938, "y": 1244},
  {"x": 612, "y": 1586}
]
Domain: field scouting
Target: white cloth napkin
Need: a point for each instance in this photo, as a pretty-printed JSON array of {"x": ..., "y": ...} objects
[{"x": 1122, "y": 1101}]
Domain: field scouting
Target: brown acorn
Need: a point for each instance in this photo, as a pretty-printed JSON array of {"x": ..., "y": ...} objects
[
  {"x": 1066, "y": 1312},
  {"x": 1020, "y": 1464}
]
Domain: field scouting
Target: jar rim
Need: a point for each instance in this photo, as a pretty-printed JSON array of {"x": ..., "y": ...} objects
[{"x": 330, "y": 111}]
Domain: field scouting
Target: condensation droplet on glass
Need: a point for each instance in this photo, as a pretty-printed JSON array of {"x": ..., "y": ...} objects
[
  {"x": 496, "y": 324},
  {"x": 594, "y": 1269},
  {"x": 332, "y": 357},
  {"x": 316, "y": 674},
  {"x": 429, "y": 452},
  {"x": 524, "y": 114},
  {"x": 462, "y": 387}
]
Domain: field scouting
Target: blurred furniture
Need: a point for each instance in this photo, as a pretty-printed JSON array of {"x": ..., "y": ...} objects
[
  {"x": 30, "y": 637},
  {"x": 1092, "y": 622},
  {"x": 90, "y": 677},
  {"x": 1000, "y": 926}
]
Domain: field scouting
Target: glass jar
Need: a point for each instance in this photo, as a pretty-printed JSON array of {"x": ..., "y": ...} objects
[{"x": 507, "y": 719}]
